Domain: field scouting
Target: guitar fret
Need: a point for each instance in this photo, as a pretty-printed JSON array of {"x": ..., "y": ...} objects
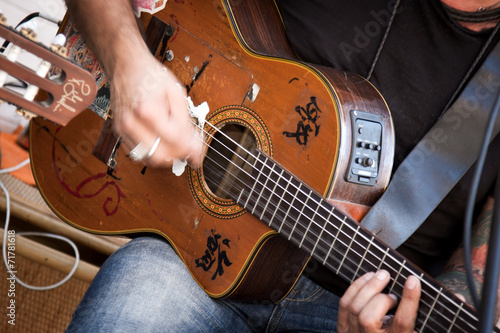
[
  {"x": 273, "y": 191},
  {"x": 334, "y": 240},
  {"x": 362, "y": 259},
  {"x": 304, "y": 205},
  {"x": 348, "y": 248},
  {"x": 239, "y": 196},
  {"x": 322, "y": 230},
  {"x": 397, "y": 276},
  {"x": 311, "y": 220},
  {"x": 455, "y": 318},
  {"x": 281, "y": 199},
  {"x": 262, "y": 191},
  {"x": 431, "y": 309},
  {"x": 289, "y": 207},
  {"x": 383, "y": 259}
]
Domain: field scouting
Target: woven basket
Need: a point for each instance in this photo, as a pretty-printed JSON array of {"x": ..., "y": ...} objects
[{"x": 39, "y": 311}]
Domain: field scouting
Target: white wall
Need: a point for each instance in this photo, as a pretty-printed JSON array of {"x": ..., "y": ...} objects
[{"x": 16, "y": 10}]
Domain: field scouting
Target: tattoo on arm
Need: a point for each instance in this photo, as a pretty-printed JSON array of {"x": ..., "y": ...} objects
[{"x": 453, "y": 275}]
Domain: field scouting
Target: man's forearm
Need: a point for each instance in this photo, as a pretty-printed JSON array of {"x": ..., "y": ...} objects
[
  {"x": 454, "y": 276},
  {"x": 110, "y": 30}
]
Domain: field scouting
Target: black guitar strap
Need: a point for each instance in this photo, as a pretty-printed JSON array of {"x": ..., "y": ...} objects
[{"x": 439, "y": 160}]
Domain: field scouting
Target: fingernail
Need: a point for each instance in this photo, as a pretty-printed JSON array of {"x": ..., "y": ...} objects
[
  {"x": 394, "y": 297},
  {"x": 387, "y": 321},
  {"x": 411, "y": 282},
  {"x": 368, "y": 276},
  {"x": 382, "y": 275},
  {"x": 460, "y": 297}
]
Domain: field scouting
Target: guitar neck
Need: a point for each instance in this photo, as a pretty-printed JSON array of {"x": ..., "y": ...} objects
[{"x": 306, "y": 219}]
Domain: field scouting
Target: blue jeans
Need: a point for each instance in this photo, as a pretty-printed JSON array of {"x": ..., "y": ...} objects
[{"x": 145, "y": 287}]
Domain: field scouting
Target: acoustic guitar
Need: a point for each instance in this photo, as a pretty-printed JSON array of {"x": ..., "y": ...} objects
[{"x": 296, "y": 153}]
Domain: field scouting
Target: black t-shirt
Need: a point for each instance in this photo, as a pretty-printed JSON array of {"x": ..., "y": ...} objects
[{"x": 425, "y": 57}]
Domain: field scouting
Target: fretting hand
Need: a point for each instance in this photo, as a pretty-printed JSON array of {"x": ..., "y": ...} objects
[{"x": 363, "y": 307}]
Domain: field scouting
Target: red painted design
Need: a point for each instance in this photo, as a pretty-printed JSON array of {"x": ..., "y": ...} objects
[
  {"x": 79, "y": 190},
  {"x": 154, "y": 211},
  {"x": 174, "y": 18}
]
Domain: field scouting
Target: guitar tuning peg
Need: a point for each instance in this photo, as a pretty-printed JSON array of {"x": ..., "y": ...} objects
[
  {"x": 25, "y": 113},
  {"x": 44, "y": 66},
  {"x": 12, "y": 53},
  {"x": 57, "y": 45},
  {"x": 28, "y": 30},
  {"x": 3, "y": 19},
  {"x": 31, "y": 34},
  {"x": 62, "y": 51},
  {"x": 59, "y": 39}
]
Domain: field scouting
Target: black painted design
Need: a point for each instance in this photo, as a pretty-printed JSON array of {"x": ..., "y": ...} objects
[
  {"x": 213, "y": 254},
  {"x": 198, "y": 74},
  {"x": 308, "y": 123}
]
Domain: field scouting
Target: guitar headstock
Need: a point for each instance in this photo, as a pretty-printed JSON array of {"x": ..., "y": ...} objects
[{"x": 62, "y": 96}]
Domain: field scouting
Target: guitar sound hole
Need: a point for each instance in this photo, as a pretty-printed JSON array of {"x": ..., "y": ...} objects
[{"x": 227, "y": 165}]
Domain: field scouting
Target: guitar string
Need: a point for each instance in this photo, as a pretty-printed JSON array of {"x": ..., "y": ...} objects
[
  {"x": 452, "y": 301},
  {"x": 323, "y": 228},
  {"x": 429, "y": 306},
  {"x": 347, "y": 278},
  {"x": 394, "y": 259},
  {"x": 402, "y": 265}
]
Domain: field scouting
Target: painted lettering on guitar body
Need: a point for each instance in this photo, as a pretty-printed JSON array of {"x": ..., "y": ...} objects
[
  {"x": 307, "y": 124},
  {"x": 213, "y": 254}
]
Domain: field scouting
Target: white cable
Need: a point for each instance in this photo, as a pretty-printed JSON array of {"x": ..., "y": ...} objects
[
  {"x": 14, "y": 168},
  {"x": 42, "y": 234}
]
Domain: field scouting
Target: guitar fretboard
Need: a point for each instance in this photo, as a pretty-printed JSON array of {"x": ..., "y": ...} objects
[{"x": 305, "y": 218}]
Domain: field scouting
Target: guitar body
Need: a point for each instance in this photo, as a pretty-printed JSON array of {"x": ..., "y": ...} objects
[{"x": 234, "y": 57}]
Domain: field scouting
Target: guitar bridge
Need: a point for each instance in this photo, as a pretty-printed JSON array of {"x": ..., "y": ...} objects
[
  {"x": 366, "y": 148},
  {"x": 107, "y": 145}
]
